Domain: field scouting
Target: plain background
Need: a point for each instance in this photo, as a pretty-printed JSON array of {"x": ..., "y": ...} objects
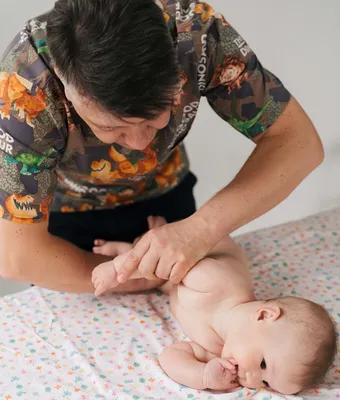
[{"x": 299, "y": 42}]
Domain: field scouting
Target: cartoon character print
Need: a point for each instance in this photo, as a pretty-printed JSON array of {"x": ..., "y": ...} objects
[
  {"x": 230, "y": 73},
  {"x": 31, "y": 163},
  {"x": 205, "y": 10},
  {"x": 149, "y": 163},
  {"x": 102, "y": 169},
  {"x": 251, "y": 126},
  {"x": 125, "y": 196},
  {"x": 42, "y": 46},
  {"x": 14, "y": 92},
  {"x": 178, "y": 99},
  {"x": 73, "y": 194},
  {"x": 22, "y": 100},
  {"x": 66, "y": 209},
  {"x": 45, "y": 206},
  {"x": 125, "y": 168},
  {"x": 167, "y": 175},
  {"x": 85, "y": 207},
  {"x": 22, "y": 210},
  {"x": 36, "y": 25}
]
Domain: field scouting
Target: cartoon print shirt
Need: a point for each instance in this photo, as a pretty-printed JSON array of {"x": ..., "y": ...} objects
[{"x": 50, "y": 160}]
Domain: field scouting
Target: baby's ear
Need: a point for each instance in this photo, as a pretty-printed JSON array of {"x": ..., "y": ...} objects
[{"x": 269, "y": 313}]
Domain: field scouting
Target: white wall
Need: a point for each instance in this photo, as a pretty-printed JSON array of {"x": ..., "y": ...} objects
[{"x": 299, "y": 42}]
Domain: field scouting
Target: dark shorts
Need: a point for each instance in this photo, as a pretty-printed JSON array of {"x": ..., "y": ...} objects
[{"x": 124, "y": 223}]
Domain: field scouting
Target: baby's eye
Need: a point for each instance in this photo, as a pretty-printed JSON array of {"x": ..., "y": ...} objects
[
  {"x": 263, "y": 364},
  {"x": 266, "y": 383}
]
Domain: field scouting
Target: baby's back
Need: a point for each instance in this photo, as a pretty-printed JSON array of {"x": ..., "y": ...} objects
[{"x": 215, "y": 283}]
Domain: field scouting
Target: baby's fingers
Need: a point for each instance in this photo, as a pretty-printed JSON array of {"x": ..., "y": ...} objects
[
  {"x": 228, "y": 365},
  {"x": 100, "y": 290},
  {"x": 234, "y": 385}
]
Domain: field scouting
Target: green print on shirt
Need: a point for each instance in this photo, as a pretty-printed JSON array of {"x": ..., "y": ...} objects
[
  {"x": 251, "y": 126},
  {"x": 31, "y": 163}
]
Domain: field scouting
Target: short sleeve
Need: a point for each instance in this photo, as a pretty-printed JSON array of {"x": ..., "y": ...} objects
[
  {"x": 237, "y": 87},
  {"x": 31, "y": 138}
]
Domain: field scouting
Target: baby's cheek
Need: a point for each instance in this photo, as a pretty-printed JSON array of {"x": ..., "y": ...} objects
[{"x": 245, "y": 361}]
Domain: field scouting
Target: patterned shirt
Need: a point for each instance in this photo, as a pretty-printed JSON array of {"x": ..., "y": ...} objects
[{"x": 50, "y": 160}]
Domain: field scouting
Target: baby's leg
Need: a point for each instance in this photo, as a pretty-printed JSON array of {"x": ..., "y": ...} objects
[{"x": 104, "y": 276}]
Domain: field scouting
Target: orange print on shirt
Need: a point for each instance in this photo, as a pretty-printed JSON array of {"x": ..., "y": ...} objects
[
  {"x": 66, "y": 209},
  {"x": 86, "y": 207},
  {"x": 125, "y": 196},
  {"x": 205, "y": 10},
  {"x": 21, "y": 209},
  {"x": 166, "y": 176},
  {"x": 102, "y": 169},
  {"x": 45, "y": 206},
  {"x": 14, "y": 91}
]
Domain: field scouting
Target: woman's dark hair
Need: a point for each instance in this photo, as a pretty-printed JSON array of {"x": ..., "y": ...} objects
[{"x": 119, "y": 53}]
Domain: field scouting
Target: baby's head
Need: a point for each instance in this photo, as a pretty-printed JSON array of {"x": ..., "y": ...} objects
[{"x": 285, "y": 343}]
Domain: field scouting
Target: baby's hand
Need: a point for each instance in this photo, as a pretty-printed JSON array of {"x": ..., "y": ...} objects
[
  {"x": 220, "y": 374},
  {"x": 104, "y": 277}
]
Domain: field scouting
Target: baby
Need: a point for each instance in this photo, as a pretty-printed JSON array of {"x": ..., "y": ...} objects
[{"x": 285, "y": 343}]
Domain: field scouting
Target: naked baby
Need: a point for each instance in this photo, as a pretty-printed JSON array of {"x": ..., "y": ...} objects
[{"x": 285, "y": 343}]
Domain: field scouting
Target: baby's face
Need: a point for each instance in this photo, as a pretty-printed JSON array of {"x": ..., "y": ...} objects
[{"x": 265, "y": 360}]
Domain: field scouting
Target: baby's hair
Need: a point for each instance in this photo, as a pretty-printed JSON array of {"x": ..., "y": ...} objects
[{"x": 317, "y": 334}]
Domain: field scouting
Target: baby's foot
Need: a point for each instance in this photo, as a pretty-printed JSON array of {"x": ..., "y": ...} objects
[{"x": 104, "y": 277}]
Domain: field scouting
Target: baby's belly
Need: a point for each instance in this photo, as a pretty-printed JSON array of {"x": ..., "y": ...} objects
[{"x": 186, "y": 306}]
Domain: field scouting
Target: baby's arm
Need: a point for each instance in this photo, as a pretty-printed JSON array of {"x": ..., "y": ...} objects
[{"x": 191, "y": 365}]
